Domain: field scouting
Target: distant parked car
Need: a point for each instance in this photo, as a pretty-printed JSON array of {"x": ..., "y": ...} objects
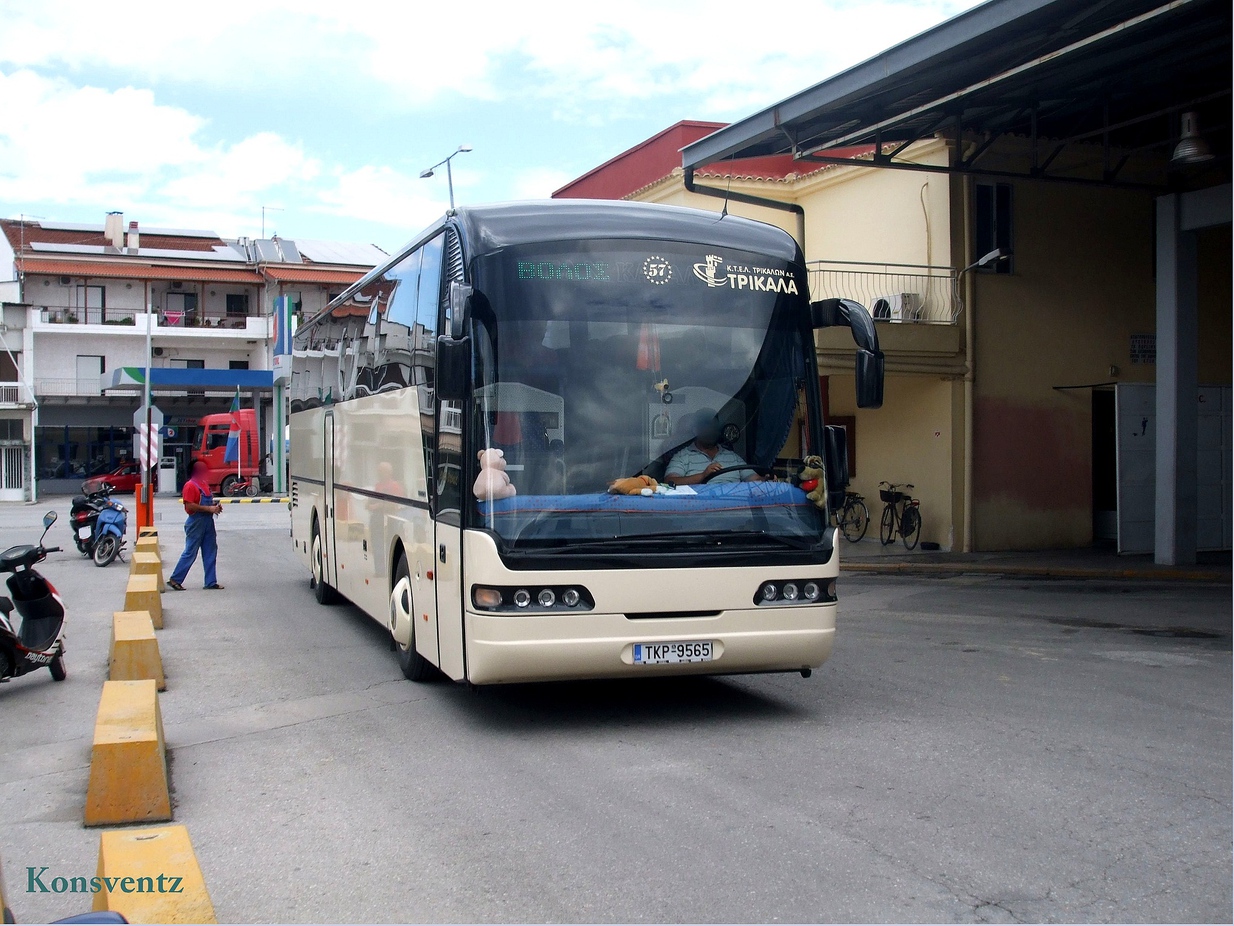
[{"x": 124, "y": 478}]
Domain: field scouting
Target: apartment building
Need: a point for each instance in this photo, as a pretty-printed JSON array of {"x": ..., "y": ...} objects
[{"x": 72, "y": 367}]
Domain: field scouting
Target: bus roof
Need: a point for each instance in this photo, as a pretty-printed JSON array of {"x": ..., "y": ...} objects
[
  {"x": 486, "y": 229},
  {"x": 489, "y": 228}
]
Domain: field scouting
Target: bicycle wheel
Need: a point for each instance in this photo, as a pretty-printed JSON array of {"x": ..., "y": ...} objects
[
  {"x": 910, "y": 528},
  {"x": 854, "y": 519},
  {"x": 887, "y": 527}
]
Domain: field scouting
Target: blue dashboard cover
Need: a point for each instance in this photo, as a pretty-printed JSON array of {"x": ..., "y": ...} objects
[{"x": 726, "y": 497}]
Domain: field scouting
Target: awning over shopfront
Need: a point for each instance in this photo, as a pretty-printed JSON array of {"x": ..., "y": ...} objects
[
  {"x": 179, "y": 379},
  {"x": 1055, "y": 73}
]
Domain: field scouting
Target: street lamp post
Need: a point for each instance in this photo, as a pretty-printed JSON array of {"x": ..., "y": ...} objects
[{"x": 428, "y": 172}]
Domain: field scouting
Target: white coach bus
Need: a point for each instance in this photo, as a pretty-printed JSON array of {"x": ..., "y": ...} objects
[{"x": 589, "y": 342}]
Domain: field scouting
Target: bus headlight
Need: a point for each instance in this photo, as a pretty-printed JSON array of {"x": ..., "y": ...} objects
[
  {"x": 510, "y": 598},
  {"x": 795, "y": 592}
]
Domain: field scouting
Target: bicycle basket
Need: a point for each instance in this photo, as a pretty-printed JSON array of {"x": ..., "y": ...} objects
[{"x": 891, "y": 498}]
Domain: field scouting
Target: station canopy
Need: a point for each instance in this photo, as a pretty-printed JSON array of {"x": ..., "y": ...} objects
[{"x": 1054, "y": 74}]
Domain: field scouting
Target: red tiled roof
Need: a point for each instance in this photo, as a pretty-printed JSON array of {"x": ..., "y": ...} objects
[
  {"x": 311, "y": 275},
  {"x": 134, "y": 271},
  {"x": 28, "y": 233}
]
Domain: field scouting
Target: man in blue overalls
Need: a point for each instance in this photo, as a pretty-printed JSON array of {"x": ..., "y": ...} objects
[{"x": 199, "y": 534}]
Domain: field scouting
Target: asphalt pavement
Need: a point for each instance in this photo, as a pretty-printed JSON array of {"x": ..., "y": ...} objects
[{"x": 978, "y": 749}]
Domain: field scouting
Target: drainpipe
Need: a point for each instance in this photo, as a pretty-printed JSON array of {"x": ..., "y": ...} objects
[
  {"x": 970, "y": 287},
  {"x": 749, "y": 200}
]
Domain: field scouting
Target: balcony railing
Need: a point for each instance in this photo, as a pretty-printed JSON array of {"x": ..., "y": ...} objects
[
  {"x": 74, "y": 315},
  {"x": 908, "y": 293},
  {"x": 90, "y": 385},
  {"x": 14, "y": 394}
]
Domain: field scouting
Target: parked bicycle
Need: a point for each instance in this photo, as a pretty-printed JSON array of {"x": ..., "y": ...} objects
[
  {"x": 853, "y": 517},
  {"x": 901, "y": 515}
]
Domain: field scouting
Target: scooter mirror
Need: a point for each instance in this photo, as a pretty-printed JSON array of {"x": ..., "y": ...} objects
[{"x": 49, "y": 519}]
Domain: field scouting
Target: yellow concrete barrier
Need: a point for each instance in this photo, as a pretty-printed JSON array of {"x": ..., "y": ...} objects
[
  {"x": 134, "y": 650},
  {"x": 142, "y": 594},
  {"x": 148, "y": 544},
  {"x": 152, "y": 876},
  {"x": 143, "y": 564},
  {"x": 128, "y": 766},
  {"x": 147, "y": 532}
]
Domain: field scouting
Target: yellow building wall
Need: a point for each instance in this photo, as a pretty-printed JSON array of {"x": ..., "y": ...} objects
[
  {"x": 1082, "y": 285},
  {"x": 908, "y": 440}
]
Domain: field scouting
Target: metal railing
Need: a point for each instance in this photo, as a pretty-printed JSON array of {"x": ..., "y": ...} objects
[
  {"x": 13, "y": 394},
  {"x": 69, "y": 386},
  {"x": 908, "y": 293},
  {"x": 193, "y": 318}
]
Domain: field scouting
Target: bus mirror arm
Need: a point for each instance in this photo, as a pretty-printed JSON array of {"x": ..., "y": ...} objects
[
  {"x": 870, "y": 363},
  {"x": 460, "y": 308}
]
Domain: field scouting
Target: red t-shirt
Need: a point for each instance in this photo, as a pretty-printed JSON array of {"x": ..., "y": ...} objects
[{"x": 193, "y": 491}]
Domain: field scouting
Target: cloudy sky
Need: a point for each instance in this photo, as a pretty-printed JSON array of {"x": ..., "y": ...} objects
[{"x": 197, "y": 115}]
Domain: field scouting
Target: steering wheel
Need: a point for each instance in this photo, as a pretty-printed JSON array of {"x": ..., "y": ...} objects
[{"x": 761, "y": 470}]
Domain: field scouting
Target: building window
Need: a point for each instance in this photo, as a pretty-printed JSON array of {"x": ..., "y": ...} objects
[
  {"x": 90, "y": 302},
  {"x": 993, "y": 224},
  {"x": 237, "y": 305},
  {"x": 10, "y": 364},
  {"x": 187, "y": 364},
  {"x": 90, "y": 370},
  {"x": 237, "y": 364}
]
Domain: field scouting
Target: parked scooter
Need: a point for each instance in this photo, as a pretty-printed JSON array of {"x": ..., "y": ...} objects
[
  {"x": 39, "y": 644},
  {"x": 99, "y": 526}
]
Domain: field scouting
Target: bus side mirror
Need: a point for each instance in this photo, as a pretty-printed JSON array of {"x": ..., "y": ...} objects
[
  {"x": 870, "y": 370},
  {"x": 460, "y": 306},
  {"x": 453, "y": 372}
]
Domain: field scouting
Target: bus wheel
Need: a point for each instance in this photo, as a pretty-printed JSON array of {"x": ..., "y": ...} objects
[
  {"x": 322, "y": 590},
  {"x": 415, "y": 667}
]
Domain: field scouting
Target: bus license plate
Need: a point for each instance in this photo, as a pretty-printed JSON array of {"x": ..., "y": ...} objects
[{"x": 659, "y": 654}]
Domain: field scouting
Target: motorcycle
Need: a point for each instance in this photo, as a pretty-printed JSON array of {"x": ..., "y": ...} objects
[
  {"x": 99, "y": 525},
  {"x": 39, "y": 644}
]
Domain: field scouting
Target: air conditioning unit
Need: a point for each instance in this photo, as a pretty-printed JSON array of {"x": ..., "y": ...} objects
[
  {"x": 897, "y": 307},
  {"x": 157, "y": 351}
]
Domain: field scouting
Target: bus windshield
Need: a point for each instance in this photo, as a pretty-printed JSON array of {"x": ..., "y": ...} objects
[{"x": 641, "y": 393}]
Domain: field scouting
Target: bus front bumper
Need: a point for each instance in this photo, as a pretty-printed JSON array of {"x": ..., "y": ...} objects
[{"x": 503, "y": 647}]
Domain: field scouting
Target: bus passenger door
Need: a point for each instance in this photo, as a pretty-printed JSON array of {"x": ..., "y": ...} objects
[
  {"x": 328, "y": 552},
  {"x": 449, "y": 564}
]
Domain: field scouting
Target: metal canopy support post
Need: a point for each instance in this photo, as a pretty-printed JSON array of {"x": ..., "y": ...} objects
[{"x": 1177, "y": 386}]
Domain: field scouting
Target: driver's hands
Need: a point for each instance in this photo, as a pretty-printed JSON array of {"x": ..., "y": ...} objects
[{"x": 713, "y": 468}]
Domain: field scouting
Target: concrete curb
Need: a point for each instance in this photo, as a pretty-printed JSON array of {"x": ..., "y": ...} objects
[{"x": 1055, "y": 572}]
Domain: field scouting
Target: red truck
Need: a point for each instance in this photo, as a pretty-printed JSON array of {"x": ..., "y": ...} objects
[{"x": 213, "y": 447}]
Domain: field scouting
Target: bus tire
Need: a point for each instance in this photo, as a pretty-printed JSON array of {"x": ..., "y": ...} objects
[
  {"x": 323, "y": 591},
  {"x": 415, "y": 667}
]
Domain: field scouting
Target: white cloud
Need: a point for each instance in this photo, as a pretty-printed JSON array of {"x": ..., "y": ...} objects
[
  {"x": 592, "y": 61},
  {"x": 87, "y": 148}
]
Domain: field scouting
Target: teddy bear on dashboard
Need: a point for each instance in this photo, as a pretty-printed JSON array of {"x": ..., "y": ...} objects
[{"x": 493, "y": 484}]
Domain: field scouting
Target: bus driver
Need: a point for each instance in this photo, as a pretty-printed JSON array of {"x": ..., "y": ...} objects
[{"x": 693, "y": 463}]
